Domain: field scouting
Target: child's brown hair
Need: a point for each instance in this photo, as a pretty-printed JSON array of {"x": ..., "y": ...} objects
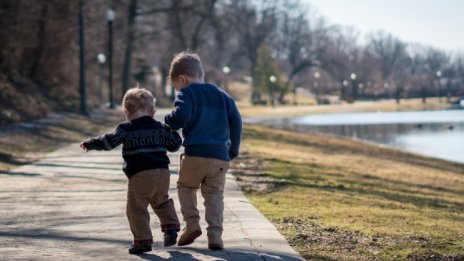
[
  {"x": 138, "y": 99},
  {"x": 186, "y": 63}
]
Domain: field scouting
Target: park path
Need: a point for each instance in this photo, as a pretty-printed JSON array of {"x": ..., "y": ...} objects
[{"x": 71, "y": 206}]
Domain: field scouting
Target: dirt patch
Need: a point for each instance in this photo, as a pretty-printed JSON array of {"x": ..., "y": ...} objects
[
  {"x": 352, "y": 245},
  {"x": 250, "y": 175},
  {"x": 435, "y": 257}
]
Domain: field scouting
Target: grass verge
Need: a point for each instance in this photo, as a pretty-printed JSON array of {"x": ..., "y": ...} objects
[
  {"x": 27, "y": 142},
  {"x": 339, "y": 199},
  {"x": 361, "y": 106}
]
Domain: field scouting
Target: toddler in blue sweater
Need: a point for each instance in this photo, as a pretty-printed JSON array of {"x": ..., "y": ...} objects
[{"x": 212, "y": 129}]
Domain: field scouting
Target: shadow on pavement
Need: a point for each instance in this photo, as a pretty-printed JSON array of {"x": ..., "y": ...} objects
[
  {"x": 226, "y": 254},
  {"x": 41, "y": 234},
  {"x": 23, "y": 174},
  {"x": 68, "y": 191},
  {"x": 74, "y": 166},
  {"x": 175, "y": 253},
  {"x": 84, "y": 155}
]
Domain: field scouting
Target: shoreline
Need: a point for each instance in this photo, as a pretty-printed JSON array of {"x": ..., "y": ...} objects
[
  {"x": 358, "y": 141},
  {"x": 362, "y": 132},
  {"x": 367, "y": 142}
]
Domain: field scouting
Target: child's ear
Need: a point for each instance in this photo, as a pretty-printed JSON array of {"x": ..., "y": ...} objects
[{"x": 183, "y": 79}]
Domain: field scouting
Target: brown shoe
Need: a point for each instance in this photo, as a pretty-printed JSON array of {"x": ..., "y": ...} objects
[
  {"x": 215, "y": 247},
  {"x": 139, "y": 249},
  {"x": 215, "y": 241},
  {"x": 188, "y": 236}
]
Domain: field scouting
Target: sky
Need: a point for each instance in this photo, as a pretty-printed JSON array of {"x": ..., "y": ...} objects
[{"x": 431, "y": 22}]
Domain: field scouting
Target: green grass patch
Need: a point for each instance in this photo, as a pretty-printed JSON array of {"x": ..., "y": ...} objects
[{"x": 337, "y": 199}]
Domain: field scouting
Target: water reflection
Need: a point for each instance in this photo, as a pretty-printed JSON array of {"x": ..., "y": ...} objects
[{"x": 438, "y": 134}]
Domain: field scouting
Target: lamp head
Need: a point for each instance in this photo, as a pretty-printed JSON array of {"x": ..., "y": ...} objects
[{"x": 110, "y": 15}]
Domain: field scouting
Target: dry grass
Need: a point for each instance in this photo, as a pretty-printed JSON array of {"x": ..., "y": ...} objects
[
  {"x": 242, "y": 93},
  {"x": 24, "y": 143},
  {"x": 339, "y": 199},
  {"x": 362, "y": 106}
]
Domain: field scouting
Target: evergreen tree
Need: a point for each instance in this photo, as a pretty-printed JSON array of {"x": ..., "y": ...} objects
[{"x": 265, "y": 68}]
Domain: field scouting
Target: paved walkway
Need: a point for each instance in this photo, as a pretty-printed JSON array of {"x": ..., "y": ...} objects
[{"x": 71, "y": 206}]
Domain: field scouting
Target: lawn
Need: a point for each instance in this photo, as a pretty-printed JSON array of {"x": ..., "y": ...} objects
[
  {"x": 360, "y": 106},
  {"x": 339, "y": 199}
]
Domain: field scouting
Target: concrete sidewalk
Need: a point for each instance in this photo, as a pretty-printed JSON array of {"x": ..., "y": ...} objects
[{"x": 71, "y": 206}]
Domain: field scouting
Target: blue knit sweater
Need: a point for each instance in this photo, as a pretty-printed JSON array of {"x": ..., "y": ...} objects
[{"x": 210, "y": 121}]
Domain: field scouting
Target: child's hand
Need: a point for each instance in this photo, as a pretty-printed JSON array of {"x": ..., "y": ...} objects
[{"x": 83, "y": 147}]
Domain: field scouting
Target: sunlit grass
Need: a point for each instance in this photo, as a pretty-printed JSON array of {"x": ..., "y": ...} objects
[
  {"x": 397, "y": 204},
  {"x": 360, "y": 106}
]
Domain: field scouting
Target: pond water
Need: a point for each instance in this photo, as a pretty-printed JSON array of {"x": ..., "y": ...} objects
[{"x": 434, "y": 133}]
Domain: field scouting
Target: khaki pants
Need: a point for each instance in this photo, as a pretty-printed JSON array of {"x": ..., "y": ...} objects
[
  {"x": 209, "y": 175},
  {"x": 150, "y": 187}
]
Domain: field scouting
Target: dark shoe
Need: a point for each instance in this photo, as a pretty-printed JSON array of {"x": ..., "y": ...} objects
[
  {"x": 170, "y": 238},
  {"x": 189, "y": 236},
  {"x": 215, "y": 241},
  {"x": 139, "y": 249},
  {"x": 215, "y": 247}
]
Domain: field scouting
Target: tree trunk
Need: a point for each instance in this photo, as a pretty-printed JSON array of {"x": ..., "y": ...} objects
[
  {"x": 40, "y": 40},
  {"x": 129, "y": 46},
  {"x": 176, "y": 24},
  {"x": 424, "y": 95},
  {"x": 342, "y": 91},
  {"x": 280, "y": 99},
  {"x": 398, "y": 95}
]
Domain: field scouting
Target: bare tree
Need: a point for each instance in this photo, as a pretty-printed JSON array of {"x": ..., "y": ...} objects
[
  {"x": 392, "y": 56},
  {"x": 38, "y": 51},
  {"x": 299, "y": 41},
  {"x": 339, "y": 55},
  {"x": 458, "y": 65},
  {"x": 437, "y": 60},
  {"x": 255, "y": 25}
]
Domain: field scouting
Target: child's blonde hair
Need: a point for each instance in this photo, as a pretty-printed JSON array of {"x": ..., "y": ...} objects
[
  {"x": 138, "y": 99},
  {"x": 186, "y": 63}
]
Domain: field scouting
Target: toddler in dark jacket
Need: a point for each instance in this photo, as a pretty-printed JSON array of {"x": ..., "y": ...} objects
[{"x": 146, "y": 164}]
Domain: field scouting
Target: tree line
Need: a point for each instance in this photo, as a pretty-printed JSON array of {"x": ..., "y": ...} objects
[{"x": 288, "y": 40}]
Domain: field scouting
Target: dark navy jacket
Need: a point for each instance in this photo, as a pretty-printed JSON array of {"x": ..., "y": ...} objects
[{"x": 145, "y": 144}]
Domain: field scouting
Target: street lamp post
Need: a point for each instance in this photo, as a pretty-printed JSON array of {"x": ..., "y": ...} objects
[
  {"x": 386, "y": 85},
  {"x": 101, "y": 58},
  {"x": 360, "y": 89},
  {"x": 110, "y": 18},
  {"x": 273, "y": 80},
  {"x": 82, "y": 83},
  {"x": 226, "y": 71},
  {"x": 353, "y": 87},
  {"x": 344, "y": 87},
  {"x": 439, "y": 74},
  {"x": 317, "y": 75}
]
